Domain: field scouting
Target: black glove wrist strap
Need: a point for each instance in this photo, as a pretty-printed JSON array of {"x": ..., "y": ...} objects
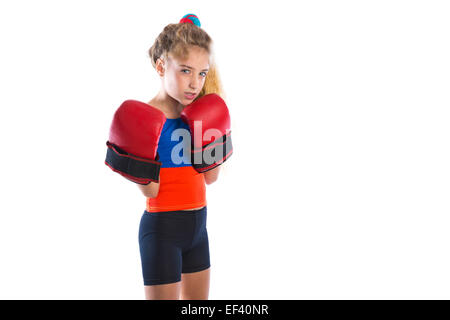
[{"x": 137, "y": 169}]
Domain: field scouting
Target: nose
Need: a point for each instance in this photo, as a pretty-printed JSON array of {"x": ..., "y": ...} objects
[{"x": 194, "y": 82}]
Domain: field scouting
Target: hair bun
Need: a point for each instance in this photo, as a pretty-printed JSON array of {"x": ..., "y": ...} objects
[{"x": 191, "y": 18}]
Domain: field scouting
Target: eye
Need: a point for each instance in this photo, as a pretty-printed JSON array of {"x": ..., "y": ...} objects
[{"x": 204, "y": 73}]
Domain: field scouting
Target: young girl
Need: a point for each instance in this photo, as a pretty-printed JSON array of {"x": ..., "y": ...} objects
[{"x": 173, "y": 238}]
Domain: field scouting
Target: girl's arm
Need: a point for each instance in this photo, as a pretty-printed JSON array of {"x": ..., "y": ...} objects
[
  {"x": 211, "y": 175},
  {"x": 150, "y": 190}
]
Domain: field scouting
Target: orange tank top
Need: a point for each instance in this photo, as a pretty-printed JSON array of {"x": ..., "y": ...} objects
[{"x": 180, "y": 186}]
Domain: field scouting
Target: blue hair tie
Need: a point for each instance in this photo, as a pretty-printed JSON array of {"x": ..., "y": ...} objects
[{"x": 191, "y": 18}]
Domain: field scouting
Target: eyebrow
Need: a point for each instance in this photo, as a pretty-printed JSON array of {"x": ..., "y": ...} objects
[{"x": 183, "y": 65}]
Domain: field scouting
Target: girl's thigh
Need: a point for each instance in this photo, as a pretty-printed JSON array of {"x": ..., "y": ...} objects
[{"x": 170, "y": 291}]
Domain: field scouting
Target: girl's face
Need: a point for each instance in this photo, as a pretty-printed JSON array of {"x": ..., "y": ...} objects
[{"x": 184, "y": 79}]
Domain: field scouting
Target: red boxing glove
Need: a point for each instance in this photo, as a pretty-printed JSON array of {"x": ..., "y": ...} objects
[
  {"x": 133, "y": 142},
  {"x": 209, "y": 124}
]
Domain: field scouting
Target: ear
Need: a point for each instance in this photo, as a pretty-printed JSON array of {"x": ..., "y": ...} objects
[{"x": 160, "y": 66}]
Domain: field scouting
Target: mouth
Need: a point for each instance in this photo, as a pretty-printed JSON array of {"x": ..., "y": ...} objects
[{"x": 189, "y": 95}]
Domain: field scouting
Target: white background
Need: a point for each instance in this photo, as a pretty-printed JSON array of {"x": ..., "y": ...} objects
[{"x": 338, "y": 187}]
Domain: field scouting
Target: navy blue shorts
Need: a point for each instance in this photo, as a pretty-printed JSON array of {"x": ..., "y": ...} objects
[{"x": 171, "y": 243}]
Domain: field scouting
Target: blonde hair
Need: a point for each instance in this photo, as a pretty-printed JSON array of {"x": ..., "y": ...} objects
[{"x": 176, "y": 39}]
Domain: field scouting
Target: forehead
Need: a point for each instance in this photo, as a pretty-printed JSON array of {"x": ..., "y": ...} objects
[{"x": 197, "y": 58}]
